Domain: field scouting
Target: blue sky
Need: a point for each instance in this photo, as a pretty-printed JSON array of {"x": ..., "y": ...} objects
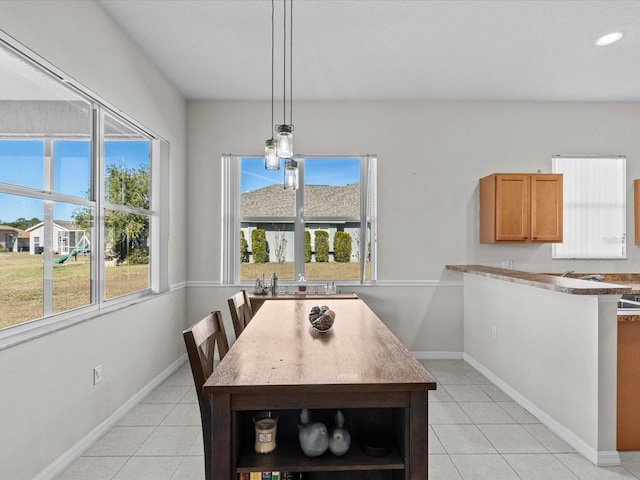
[
  {"x": 22, "y": 164},
  {"x": 318, "y": 171}
]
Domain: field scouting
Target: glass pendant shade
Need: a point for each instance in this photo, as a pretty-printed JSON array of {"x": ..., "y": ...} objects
[
  {"x": 290, "y": 174},
  {"x": 271, "y": 159},
  {"x": 285, "y": 141}
]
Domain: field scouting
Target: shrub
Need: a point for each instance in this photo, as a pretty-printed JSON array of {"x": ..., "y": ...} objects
[
  {"x": 342, "y": 247},
  {"x": 244, "y": 248},
  {"x": 322, "y": 246},
  {"x": 138, "y": 256},
  {"x": 307, "y": 246},
  {"x": 259, "y": 246}
]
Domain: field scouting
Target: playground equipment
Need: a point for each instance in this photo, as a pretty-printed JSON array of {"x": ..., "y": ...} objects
[{"x": 83, "y": 244}]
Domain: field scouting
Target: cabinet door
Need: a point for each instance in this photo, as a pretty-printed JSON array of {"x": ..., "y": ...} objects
[
  {"x": 512, "y": 207},
  {"x": 546, "y": 208}
]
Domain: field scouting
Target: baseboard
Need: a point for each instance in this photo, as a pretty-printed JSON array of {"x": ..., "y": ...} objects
[
  {"x": 437, "y": 355},
  {"x": 63, "y": 461},
  {"x": 599, "y": 458}
]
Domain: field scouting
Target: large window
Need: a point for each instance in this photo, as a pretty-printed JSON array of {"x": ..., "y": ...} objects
[
  {"x": 324, "y": 230},
  {"x": 594, "y": 207},
  {"x": 75, "y": 197}
]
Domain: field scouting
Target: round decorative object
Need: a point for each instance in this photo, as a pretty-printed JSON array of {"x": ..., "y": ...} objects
[{"x": 321, "y": 318}]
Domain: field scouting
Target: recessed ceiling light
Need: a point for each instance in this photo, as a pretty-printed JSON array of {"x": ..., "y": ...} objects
[{"x": 608, "y": 39}]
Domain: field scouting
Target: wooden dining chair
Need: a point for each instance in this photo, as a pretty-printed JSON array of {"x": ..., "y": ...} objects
[
  {"x": 201, "y": 341},
  {"x": 241, "y": 311}
]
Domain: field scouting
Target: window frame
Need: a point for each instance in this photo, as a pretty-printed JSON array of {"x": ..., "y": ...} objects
[
  {"x": 158, "y": 211},
  {"x": 232, "y": 220}
]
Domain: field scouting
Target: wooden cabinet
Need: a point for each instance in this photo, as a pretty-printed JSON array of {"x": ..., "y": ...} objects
[
  {"x": 636, "y": 208},
  {"x": 521, "y": 207},
  {"x": 628, "y": 397}
]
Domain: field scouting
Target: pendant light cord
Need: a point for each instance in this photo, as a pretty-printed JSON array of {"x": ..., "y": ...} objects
[
  {"x": 284, "y": 63},
  {"x": 291, "y": 66},
  {"x": 272, "y": 54}
]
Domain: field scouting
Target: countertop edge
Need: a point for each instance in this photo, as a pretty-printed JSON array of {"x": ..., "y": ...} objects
[{"x": 556, "y": 283}]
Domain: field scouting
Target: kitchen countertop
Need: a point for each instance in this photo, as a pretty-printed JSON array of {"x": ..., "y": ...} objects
[{"x": 556, "y": 283}]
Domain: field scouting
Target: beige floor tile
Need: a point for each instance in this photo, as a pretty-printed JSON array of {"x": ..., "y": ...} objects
[
  {"x": 511, "y": 439},
  {"x": 146, "y": 415},
  {"x": 548, "y": 439},
  {"x": 169, "y": 440},
  {"x": 451, "y": 378},
  {"x": 119, "y": 442},
  {"x": 435, "y": 447},
  {"x": 467, "y": 393},
  {"x": 463, "y": 439},
  {"x": 166, "y": 395},
  {"x": 539, "y": 467},
  {"x": 483, "y": 467},
  {"x": 149, "y": 468},
  {"x": 197, "y": 447},
  {"x": 180, "y": 378},
  {"x": 585, "y": 470},
  {"x": 191, "y": 468},
  {"x": 184, "y": 414},
  {"x": 486, "y": 412},
  {"x": 93, "y": 468},
  {"x": 631, "y": 462},
  {"x": 516, "y": 411},
  {"x": 442, "y": 468},
  {"x": 190, "y": 396},
  {"x": 439, "y": 395},
  {"x": 495, "y": 393},
  {"x": 447, "y": 413}
]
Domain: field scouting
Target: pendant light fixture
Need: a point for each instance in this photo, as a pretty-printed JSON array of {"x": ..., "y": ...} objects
[
  {"x": 284, "y": 137},
  {"x": 284, "y": 131},
  {"x": 271, "y": 159},
  {"x": 290, "y": 174}
]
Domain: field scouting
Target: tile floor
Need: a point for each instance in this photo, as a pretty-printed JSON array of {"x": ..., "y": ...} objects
[{"x": 476, "y": 432}]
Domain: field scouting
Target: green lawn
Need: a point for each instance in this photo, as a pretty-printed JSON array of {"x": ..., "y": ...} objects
[{"x": 21, "y": 285}]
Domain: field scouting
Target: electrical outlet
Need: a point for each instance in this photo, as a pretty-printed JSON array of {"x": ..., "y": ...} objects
[
  {"x": 494, "y": 332},
  {"x": 97, "y": 375}
]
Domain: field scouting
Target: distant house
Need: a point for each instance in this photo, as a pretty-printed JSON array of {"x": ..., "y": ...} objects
[
  {"x": 66, "y": 236},
  {"x": 329, "y": 208},
  {"x": 13, "y": 239}
]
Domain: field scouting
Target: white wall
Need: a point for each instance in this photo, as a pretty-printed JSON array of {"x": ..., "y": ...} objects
[
  {"x": 430, "y": 158},
  {"x": 554, "y": 353},
  {"x": 47, "y": 398}
]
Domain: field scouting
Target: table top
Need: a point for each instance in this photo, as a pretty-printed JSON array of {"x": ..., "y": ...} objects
[{"x": 280, "y": 351}]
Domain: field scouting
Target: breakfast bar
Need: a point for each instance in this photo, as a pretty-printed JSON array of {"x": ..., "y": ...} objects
[
  {"x": 550, "y": 342},
  {"x": 282, "y": 365}
]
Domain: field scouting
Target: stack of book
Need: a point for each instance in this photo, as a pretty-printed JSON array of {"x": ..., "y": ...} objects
[{"x": 271, "y": 476}]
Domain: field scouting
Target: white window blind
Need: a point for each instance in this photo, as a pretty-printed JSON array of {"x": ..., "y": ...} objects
[{"x": 594, "y": 190}]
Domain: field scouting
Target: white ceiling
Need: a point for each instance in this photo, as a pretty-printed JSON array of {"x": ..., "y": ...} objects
[{"x": 533, "y": 50}]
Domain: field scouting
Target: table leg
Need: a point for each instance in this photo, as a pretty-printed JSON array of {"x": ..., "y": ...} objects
[
  {"x": 418, "y": 436},
  {"x": 220, "y": 453}
]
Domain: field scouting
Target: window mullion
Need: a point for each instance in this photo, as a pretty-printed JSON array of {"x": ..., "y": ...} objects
[
  {"x": 298, "y": 238},
  {"x": 97, "y": 224}
]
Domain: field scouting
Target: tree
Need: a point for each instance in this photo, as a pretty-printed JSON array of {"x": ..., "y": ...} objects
[
  {"x": 322, "y": 246},
  {"x": 259, "y": 246},
  {"x": 342, "y": 247},
  {"x": 128, "y": 187},
  {"x": 307, "y": 246},
  {"x": 22, "y": 223},
  {"x": 244, "y": 248}
]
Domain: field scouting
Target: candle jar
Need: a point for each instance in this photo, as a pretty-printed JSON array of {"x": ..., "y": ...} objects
[{"x": 265, "y": 424}]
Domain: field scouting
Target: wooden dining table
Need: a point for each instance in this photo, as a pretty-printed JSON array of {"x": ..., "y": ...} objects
[{"x": 281, "y": 364}]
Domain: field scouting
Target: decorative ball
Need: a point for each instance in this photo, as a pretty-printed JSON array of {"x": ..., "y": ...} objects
[{"x": 321, "y": 318}]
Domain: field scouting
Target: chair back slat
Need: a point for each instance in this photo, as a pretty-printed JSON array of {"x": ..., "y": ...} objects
[
  {"x": 201, "y": 341},
  {"x": 241, "y": 311}
]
